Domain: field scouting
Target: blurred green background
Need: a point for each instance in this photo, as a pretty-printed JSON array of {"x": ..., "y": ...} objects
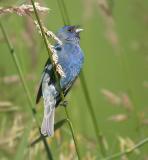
[{"x": 115, "y": 43}]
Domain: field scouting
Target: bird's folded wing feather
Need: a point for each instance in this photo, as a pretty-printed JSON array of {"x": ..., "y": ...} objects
[{"x": 48, "y": 70}]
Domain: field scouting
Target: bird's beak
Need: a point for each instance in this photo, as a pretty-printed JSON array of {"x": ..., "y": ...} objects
[{"x": 78, "y": 30}]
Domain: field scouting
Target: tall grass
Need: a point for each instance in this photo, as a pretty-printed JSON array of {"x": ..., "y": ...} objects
[
  {"x": 28, "y": 95},
  {"x": 128, "y": 83}
]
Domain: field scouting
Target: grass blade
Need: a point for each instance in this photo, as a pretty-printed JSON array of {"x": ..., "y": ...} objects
[{"x": 24, "y": 143}]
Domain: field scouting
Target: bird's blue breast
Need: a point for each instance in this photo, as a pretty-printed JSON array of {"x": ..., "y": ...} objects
[{"x": 71, "y": 59}]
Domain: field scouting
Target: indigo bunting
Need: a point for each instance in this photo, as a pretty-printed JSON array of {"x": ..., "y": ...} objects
[{"x": 70, "y": 57}]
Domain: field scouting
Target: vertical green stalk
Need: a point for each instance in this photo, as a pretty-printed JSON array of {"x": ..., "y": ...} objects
[
  {"x": 98, "y": 133},
  {"x": 127, "y": 80},
  {"x": 72, "y": 132},
  {"x": 61, "y": 11},
  {"x": 31, "y": 104},
  {"x": 57, "y": 79},
  {"x": 92, "y": 114},
  {"x": 64, "y": 12}
]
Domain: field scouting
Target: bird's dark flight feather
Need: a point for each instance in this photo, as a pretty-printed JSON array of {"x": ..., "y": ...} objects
[
  {"x": 39, "y": 93},
  {"x": 52, "y": 80}
]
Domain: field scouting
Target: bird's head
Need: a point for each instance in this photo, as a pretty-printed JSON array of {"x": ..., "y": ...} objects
[{"x": 69, "y": 33}]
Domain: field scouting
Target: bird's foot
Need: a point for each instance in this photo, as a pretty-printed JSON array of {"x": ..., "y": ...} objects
[{"x": 64, "y": 103}]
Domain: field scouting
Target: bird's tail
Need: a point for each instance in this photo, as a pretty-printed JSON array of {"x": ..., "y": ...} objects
[{"x": 47, "y": 127}]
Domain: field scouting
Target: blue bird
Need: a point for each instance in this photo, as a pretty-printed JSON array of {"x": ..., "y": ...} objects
[{"x": 70, "y": 57}]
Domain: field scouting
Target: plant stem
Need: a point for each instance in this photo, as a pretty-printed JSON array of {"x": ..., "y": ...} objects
[
  {"x": 128, "y": 151},
  {"x": 31, "y": 104},
  {"x": 98, "y": 133},
  {"x": 72, "y": 132},
  {"x": 61, "y": 11},
  {"x": 92, "y": 114},
  {"x": 57, "y": 79},
  {"x": 64, "y": 12}
]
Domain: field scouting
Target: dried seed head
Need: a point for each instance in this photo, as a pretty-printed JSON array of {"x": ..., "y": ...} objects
[
  {"x": 145, "y": 84},
  {"x": 127, "y": 144},
  {"x": 127, "y": 103},
  {"x": 5, "y": 104},
  {"x": 58, "y": 136},
  {"x": 49, "y": 34},
  {"x": 60, "y": 70},
  {"x": 111, "y": 97},
  {"x": 118, "y": 118},
  {"x": 23, "y": 10},
  {"x": 106, "y": 13},
  {"x": 55, "y": 58},
  {"x": 145, "y": 122}
]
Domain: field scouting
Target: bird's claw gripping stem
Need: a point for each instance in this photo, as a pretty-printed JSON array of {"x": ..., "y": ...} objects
[{"x": 64, "y": 103}]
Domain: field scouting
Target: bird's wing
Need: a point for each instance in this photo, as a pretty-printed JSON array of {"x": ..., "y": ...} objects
[
  {"x": 71, "y": 74},
  {"x": 47, "y": 69},
  {"x": 65, "y": 91},
  {"x": 50, "y": 73}
]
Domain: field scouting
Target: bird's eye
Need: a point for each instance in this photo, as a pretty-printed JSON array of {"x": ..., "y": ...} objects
[{"x": 70, "y": 30}]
